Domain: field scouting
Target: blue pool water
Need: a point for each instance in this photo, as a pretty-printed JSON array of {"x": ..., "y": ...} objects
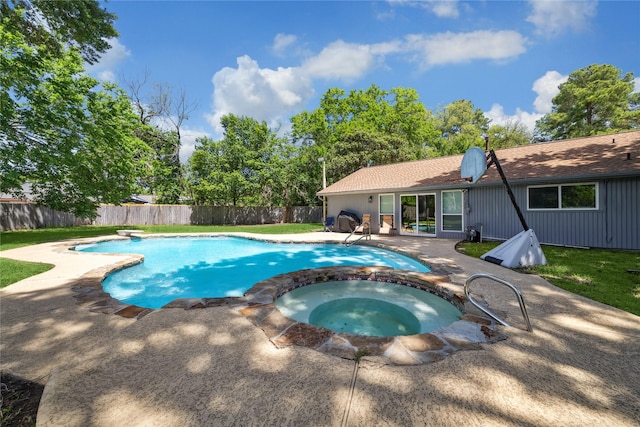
[{"x": 199, "y": 267}]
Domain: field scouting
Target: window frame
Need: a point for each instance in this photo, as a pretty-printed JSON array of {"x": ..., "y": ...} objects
[
  {"x": 393, "y": 209},
  {"x": 442, "y": 213},
  {"x": 559, "y": 194}
]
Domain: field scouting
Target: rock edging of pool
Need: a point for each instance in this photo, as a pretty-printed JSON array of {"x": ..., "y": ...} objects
[{"x": 468, "y": 333}]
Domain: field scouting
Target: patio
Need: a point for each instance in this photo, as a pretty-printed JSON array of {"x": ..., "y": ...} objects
[{"x": 213, "y": 367}]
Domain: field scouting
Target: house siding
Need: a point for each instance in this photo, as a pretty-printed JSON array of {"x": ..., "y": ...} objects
[
  {"x": 356, "y": 203},
  {"x": 490, "y": 209},
  {"x": 614, "y": 225}
]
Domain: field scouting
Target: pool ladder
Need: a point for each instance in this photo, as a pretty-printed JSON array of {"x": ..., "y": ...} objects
[
  {"x": 366, "y": 234},
  {"x": 523, "y": 309}
]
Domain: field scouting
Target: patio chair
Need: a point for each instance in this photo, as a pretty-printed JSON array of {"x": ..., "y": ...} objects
[
  {"x": 328, "y": 225},
  {"x": 365, "y": 225},
  {"x": 387, "y": 225}
]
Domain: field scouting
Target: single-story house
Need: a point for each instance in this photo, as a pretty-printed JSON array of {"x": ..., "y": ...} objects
[{"x": 577, "y": 192}]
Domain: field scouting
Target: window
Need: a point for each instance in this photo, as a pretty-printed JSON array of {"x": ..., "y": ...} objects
[
  {"x": 386, "y": 210},
  {"x": 452, "y": 211},
  {"x": 568, "y": 196}
]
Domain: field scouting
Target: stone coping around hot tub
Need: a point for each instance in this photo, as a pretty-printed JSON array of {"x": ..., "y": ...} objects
[{"x": 468, "y": 333}]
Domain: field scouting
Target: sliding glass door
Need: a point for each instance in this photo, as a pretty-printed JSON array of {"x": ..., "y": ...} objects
[{"x": 418, "y": 213}]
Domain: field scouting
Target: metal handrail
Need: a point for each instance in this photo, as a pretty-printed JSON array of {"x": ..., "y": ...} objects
[
  {"x": 367, "y": 234},
  {"x": 523, "y": 309}
]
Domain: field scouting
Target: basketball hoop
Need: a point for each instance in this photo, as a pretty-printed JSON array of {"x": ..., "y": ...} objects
[{"x": 474, "y": 165}]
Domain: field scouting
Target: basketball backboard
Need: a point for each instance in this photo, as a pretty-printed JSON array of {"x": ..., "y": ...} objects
[{"x": 474, "y": 164}]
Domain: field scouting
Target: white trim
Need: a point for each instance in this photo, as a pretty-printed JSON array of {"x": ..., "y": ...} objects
[
  {"x": 435, "y": 214},
  {"x": 559, "y": 190},
  {"x": 442, "y": 214},
  {"x": 393, "y": 209}
]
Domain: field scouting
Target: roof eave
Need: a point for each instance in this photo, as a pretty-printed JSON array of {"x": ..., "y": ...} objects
[{"x": 488, "y": 183}]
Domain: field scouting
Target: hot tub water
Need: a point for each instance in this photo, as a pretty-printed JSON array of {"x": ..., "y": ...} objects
[{"x": 368, "y": 308}]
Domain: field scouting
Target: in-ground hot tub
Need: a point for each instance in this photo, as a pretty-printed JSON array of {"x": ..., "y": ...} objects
[
  {"x": 408, "y": 344},
  {"x": 367, "y": 307}
]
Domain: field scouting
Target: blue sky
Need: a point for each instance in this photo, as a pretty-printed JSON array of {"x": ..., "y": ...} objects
[{"x": 270, "y": 60}]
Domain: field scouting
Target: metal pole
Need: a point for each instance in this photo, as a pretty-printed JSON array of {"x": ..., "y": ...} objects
[
  {"x": 324, "y": 185},
  {"x": 494, "y": 159}
]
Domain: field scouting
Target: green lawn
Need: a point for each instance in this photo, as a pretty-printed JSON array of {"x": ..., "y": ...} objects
[
  {"x": 12, "y": 271},
  {"x": 610, "y": 277}
]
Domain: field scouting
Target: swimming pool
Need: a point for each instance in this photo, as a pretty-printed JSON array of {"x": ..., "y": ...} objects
[{"x": 222, "y": 266}]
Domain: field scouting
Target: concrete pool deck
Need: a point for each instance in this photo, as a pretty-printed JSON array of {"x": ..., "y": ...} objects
[{"x": 580, "y": 366}]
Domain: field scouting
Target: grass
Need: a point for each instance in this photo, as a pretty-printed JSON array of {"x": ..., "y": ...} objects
[
  {"x": 13, "y": 271},
  {"x": 610, "y": 277},
  {"x": 16, "y": 239}
]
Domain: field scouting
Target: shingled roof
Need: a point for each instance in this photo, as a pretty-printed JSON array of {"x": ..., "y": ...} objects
[{"x": 614, "y": 155}]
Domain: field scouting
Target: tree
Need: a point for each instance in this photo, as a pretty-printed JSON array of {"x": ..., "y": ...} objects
[
  {"x": 83, "y": 25},
  {"x": 461, "y": 127},
  {"x": 594, "y": 100},
  {"x": 236, "y": 170},
  {"x": 160, "y": 109},
  {"x": 511, "y": 134},
  {"x": 298, "y": 175},
  {"x": 394, "y": 124},
  {"x": 160, "y": 175},
  {"x": 361, "y": 148},
  {"x": 412, "y": 122},
  {"x": 201, "y": 169},
  {"x": 60, "y": 131}
]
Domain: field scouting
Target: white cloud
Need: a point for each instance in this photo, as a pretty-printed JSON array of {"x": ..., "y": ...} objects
[
  {"x": 451, "y": 48},
  {"x": 260, "y": 93},
  {"x": 281, "y": 42},
  {"x": 109, "y": 60},
  {"x": 340, "y": 60},
  {"x": 552, "y": 18},
  {"x": 547, "y": 88},
  {"x": 636, "y": 84},
  {"x": 188, "y": 142},
  {"x": 440, "y": 8},
  {"x": 444, "y": 9},
  {"x": 499, "y": 117},
  {"x": 273, "y": 94},
  {"x": 270, "y": 95},
  {"x": 107, "y": 76}
]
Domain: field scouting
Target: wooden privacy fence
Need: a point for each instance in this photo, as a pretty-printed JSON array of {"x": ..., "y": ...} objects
[
  {"x": 24, "y": 215},
  {"x": 17, "y": 216},
  {"x": 205, "y": 215}
]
